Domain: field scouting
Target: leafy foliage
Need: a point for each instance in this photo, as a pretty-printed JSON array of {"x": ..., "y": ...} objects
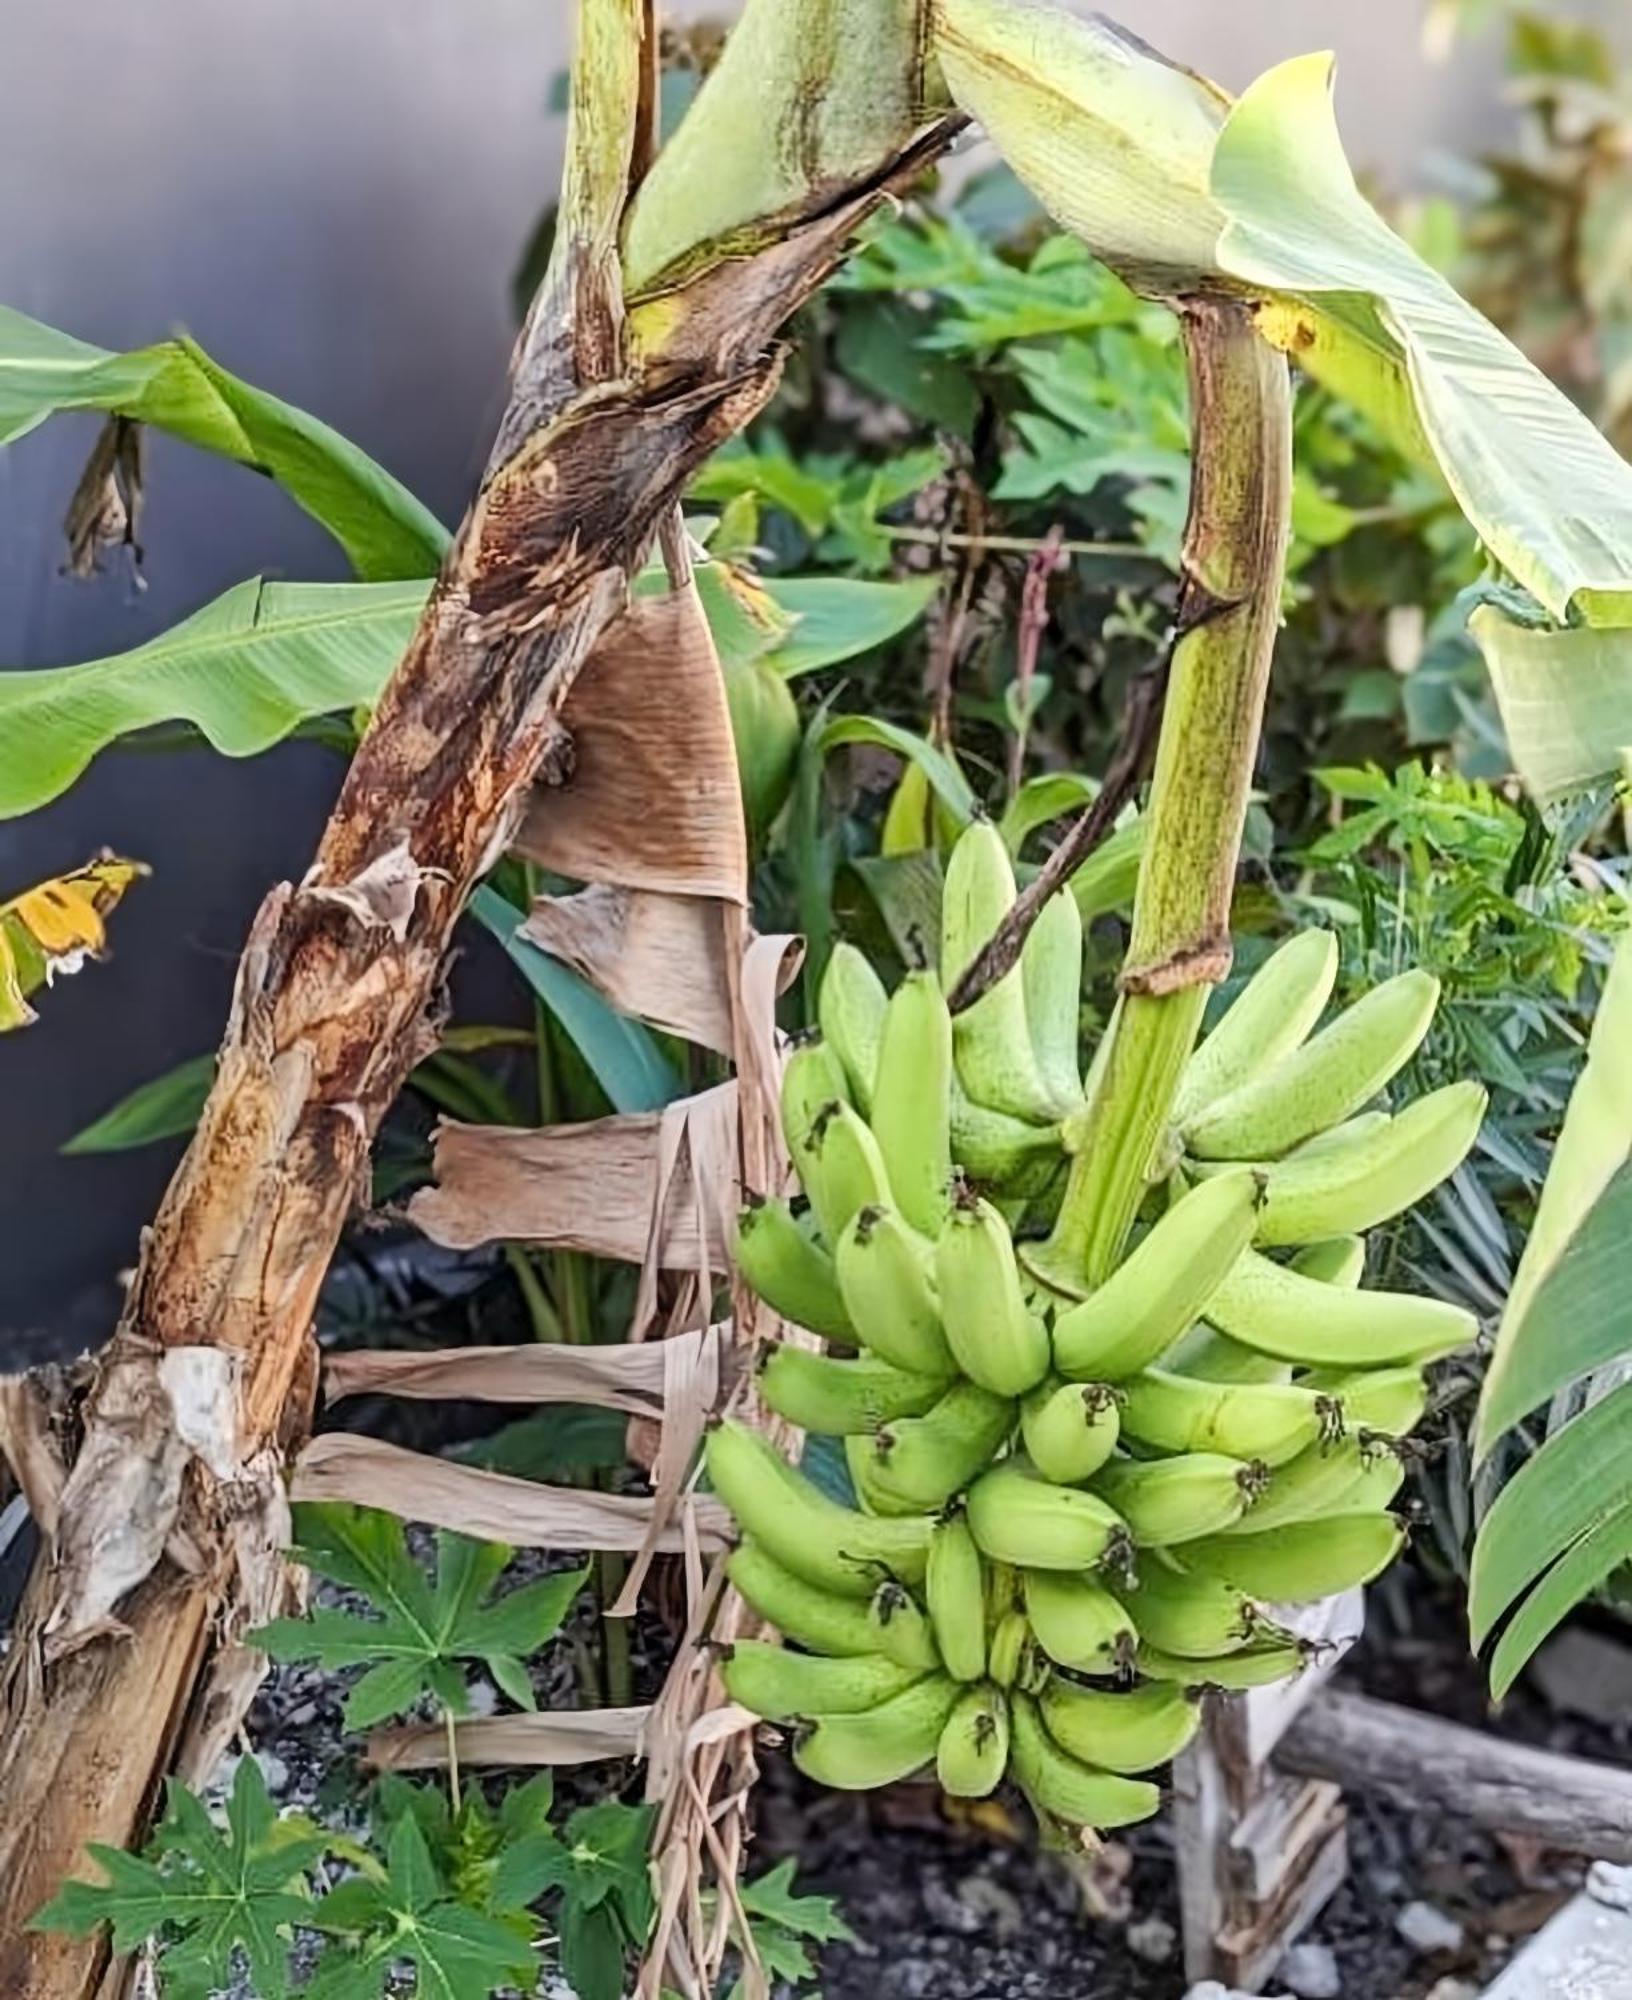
[
  {"x": 595, "y": 1869},
  {"x": 384, "y": 530},
  {"x": 205, "y": 1894},
  {"x": 419, "y": 1628}
]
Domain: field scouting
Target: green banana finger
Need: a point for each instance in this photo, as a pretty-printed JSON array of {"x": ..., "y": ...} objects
[
  {"x": 1354, "y": 1475},
  {"x": 843, "y": 1169},
  {"x": 885, "y": 1274},
  {"x": 1195, "y": 1616},
  {"x": 1018, "y": 1517},
  {"x": 812, "y": 1079},
  {"x": 1064, "y": 1786},
  {"x": 901, "y": 1632},
  {"x": 850, "y": 1011},
  {"x": 1006, "y": 1154},
  {"x": 1051, "y": 978},
  {"x": 1010, "y": 1645},
  {"x": 1078, "y": 1623},
  {"x": 1271, "y": 1421},
  {"x": 1303, "y": 1560},
  {"x": 780, "y": 1685},
  {"x": 1132, "y": 1730},
  {"x": 861, "y": 1457},
  {"x": 1250, "y": 1667},
  {"x": 1212, "y": 1356},
  {"x": 954, "y": 1588},
  {"x": 1070, "y": 1428},
  {"x": 974, "y": 1745},
  {"x": 995, "y": 1337},
  {"x": 814, "y": 1618},
  {"x": 912, "y": 1101},
  {"x": 862, "y": 1460},
  {"x": 1336, "y": 1260},
  {"x": 1270, "y": 1017},
  {"x": 791, "y": 1273},
  {"x": 1323, "y": 1082},
  {"x": 1162, "y": 1285},
  {"x": 1356, "y": 1186},
  {"x": 880, "y": 1745},
  {"x": 1168, "y": 1500},
  {"x": 831, "y": 1546},
  {"x": 991, "y": 1040},
  {"x": 837, "y": 1398},
  {"x": 1390, "y": 1401},
  {"x": 927, "y": 1459},
  {"x": 1278, "y": 1311}
]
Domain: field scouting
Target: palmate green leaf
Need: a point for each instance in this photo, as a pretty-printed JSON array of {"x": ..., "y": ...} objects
[
  {"x": 1545, "y": 492},
  {"x": 598, "y": 1866},
  {"x": 175, "y": 386},
  {"x": 622, "y": 1054},
  {"x": 418, "y": 1630},
  {"x": 770, "y": 1897},
  {"x": 1570, "y": 1308},
  {"x": 1565, "y": 698},
  {"x": 166, "y": 1107},
  {"x": 204, "y": 1894},
  {"x": 457, "y": 1953},
  {"x": 245, "y": 671}
]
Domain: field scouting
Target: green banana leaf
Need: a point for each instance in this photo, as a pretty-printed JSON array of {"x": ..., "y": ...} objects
[
  {"x": 623, "y": 1055},
  {"x": 1565, "y": 1314},
  {"x": 245, "y": 671},
  {"x": 1546, "y": 493},
  {"x": 1565, "y": 699},
  {"x": 176, "y": 387},
  {"x": 1564, "y": 1521},
  {"x": 165, "y": 1107}
]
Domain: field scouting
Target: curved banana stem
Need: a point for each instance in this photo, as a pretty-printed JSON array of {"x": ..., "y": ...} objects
[{"x": 1234, "y": 561}]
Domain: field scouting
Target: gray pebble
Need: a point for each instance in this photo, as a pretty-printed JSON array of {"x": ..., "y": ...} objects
[
  {"x": 1153, "y": 1939},
  {"x": 1310, "y": 1971},
  {"x": 1427, "y": 1929}
]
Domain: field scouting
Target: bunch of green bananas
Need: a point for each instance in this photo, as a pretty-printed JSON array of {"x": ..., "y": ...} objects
[{"x": 1073, "y": 1508}]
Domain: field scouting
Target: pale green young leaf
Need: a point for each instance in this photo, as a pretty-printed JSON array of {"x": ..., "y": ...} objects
[
  {"x": 1113, "y": 140},
  {"x": 1565, "y": 698},
  {"x": 1545, "y": 492}
]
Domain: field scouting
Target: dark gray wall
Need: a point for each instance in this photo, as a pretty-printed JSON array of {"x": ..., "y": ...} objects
[{"x": 330, "y": 194}]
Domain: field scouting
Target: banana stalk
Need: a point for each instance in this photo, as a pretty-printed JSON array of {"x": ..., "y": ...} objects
[{"x": 1234, "y": 557}]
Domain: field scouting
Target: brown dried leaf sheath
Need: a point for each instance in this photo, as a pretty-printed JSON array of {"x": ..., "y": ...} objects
[
  {"x": 489, "y": 1505},
  {"x": 651, "y": 800},
  {"x": 599, "y": 1188},
  {"x": 628, "y": 1377},
  {"x": 661, "y": 958},
  {"x": 514, "y": 1742}
]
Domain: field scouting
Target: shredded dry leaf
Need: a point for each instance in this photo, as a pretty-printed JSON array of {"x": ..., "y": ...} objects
[
  {"x": 661, "y": 958},
  {"x": 627, "y": 1377},
  {"x": 489, "y": 1505},
  {"x": 651, "y": 799},
  {"x": 574, "y": 1736},
  {"x": 596, "y": 1187}
]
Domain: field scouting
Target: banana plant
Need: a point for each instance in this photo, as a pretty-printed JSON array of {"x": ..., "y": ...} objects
[{"x": 1562, "y": 1524}]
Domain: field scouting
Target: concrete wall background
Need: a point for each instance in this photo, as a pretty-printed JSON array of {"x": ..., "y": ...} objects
[{"x": 332, "y": 199}]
